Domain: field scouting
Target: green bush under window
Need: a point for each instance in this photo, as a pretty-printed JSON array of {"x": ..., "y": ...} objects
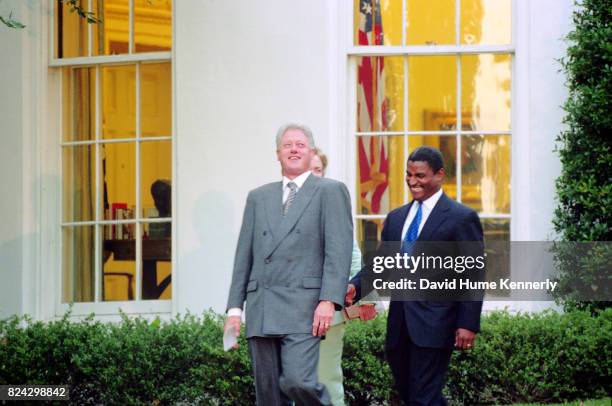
[{"x": 527, "y": 358}]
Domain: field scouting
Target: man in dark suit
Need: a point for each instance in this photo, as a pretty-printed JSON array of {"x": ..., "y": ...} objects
[
  {"x": 291, "y": 267},
  {"x": 421, "y": 334}
]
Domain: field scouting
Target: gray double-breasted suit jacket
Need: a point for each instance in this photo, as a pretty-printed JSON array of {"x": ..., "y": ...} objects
[{"x": 285, "y": 265}]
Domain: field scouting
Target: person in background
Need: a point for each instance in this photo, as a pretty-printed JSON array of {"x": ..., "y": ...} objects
[{"x": 330, "y": 351}]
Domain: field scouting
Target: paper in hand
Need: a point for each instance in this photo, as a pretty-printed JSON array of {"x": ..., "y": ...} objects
[{"x": 229, "y": 338}]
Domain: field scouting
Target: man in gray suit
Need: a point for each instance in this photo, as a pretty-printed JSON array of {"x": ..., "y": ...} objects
[{"x": 291, "y": 267}]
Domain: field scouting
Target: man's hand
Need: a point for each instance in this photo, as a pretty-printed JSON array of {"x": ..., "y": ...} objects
[
  {"x": 367, "y": 311},
  {"x": 464, "y": 339},
  {"x": 233, "y": 322},
  {"x": 351, "y": 292},
  {"x": 322, "y": 317}
]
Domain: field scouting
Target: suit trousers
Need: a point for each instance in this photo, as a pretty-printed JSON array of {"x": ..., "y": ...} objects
[
  {"x": 285, "y": 369},
  {"x": 419, "y": 372},
  {"x": 330, "y": 363}
]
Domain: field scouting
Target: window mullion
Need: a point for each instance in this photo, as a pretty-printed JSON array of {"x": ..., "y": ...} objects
[
  {"x": 406, "y": 120},
  {"x": 138, "y": 236},
  {"x": 98, "y": 280},
  {"x": 458, "y": 129}
]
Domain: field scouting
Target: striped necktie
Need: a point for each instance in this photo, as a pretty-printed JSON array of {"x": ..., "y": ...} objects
[
  {"x": 290, "y": 198},
  {"x": 413, "y": 230}
]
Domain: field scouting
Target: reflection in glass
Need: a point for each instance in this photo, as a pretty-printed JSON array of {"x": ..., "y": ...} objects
[
  {"x": 156, "y": 178},
  {"x": 430, "y": 22},
  {"x": 156, "y": 99},
  {"x": 447, "y": 144},
  {"x": 486, "y": 91},
  {"x": 118, "y": 172},
  {"x": 71, "y": 37},
  {"x": 368, "y": 235},
  {"x": 380, "y": 173},
  {"x": 377, "y": 22},
  {"x": 118, "y": 101},
  {"x": 112, "y": 35},
  {"x": 118, "y": 266},
  {"x": 498, "y": 258},
  {"x": 78, "y": 268},
  {"x": 156, "y": 261},
  {"x": 152, "y": 25},
  {"x": 432, "y": 88},
  {"x": 486, "y": 22},
  {"x": 485, "y": 174},
  {"x": 380, "y": 94},
  {"x": 79, "y": 95},
  {"x": 79, "y": 188}
]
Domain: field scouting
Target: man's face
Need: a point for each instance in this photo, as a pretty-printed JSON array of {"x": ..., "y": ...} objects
[
  {"x": 422, "y": 180},
  {"x": 294, "y": 153},
  {"x": 316, "y": 166}
]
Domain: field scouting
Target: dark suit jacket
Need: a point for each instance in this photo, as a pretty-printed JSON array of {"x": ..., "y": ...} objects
[{"x": 433, "y": 324}]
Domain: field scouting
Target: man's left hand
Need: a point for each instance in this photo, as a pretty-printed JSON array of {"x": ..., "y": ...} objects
[
  {"x": 322, "y": 317},
  {"x": 464, "y": 339}
]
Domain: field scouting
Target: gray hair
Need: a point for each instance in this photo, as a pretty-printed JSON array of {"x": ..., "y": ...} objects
[{"x": 293, "y": 126}]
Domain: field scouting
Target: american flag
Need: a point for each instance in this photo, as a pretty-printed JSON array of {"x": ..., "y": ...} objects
[{"x": 372, "y": 114}]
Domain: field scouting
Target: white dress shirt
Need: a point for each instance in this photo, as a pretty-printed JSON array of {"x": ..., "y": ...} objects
[
  {"x": 299, "y": 181},
  {"x": 428, "y": 206}
]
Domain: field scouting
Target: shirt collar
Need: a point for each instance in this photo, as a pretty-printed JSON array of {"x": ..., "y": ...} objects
[
  {"x": 430, "y": 202},
  {"x": 299, "y": 181}
]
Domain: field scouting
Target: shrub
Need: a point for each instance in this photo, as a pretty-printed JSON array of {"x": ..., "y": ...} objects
[
  {"x": 584, "y": 189},
  {"x": 527, "y": 358}
]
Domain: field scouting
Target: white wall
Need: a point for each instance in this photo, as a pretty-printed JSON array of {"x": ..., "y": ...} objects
[
  {"x": 242, "y": 69},
  {"x": 11, "y": 237}
]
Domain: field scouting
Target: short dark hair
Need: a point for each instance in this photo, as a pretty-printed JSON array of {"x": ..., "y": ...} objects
[{"x": 431, "y": 155}]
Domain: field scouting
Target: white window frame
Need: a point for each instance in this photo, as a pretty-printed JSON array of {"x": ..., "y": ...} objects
[
  {"x": 98, "y": 307},
  {"x": 516, "y": 126}
]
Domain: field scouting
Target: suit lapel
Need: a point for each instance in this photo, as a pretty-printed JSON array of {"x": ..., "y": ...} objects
[
  {"x": 438, "y": 215},
  {"x": 283, "y": 225},
  {"x": 397, "y": 226},
  {"x": 274, "y": 207}
]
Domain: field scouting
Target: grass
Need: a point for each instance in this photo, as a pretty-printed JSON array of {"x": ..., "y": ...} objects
[{"x": 598, "y": 402}]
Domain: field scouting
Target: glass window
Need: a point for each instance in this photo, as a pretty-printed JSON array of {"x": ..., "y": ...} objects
[
  {"x": 454, "y": 99},
  {"x": 146, "y": 27},
  {"x": 116, "y": 122}
]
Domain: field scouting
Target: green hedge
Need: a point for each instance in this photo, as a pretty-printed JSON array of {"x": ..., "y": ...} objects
[
  {"x": 527, "y": 358},
  {"x": 584, "y": 189}
]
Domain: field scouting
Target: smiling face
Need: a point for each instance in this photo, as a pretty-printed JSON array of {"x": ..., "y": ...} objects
[
  {"x": 422, "y": 181},
  {"x": 294, "y": 153}
]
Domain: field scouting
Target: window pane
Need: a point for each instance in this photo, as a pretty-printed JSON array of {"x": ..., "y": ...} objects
[
  {"x": 119, "y": 101},
  {"x": 486, "y": 21},
  {"x": 432, "y": 89},
  {"x": 380, "y": 94},
  {"x": 485, "y": 173},
  {"x": 78, "y": 264},
  {"x": 152, "y": 25},
  {"x": 112, "y": 35},
  {"x": 377, "y": 22},
  {"x": 156, "y": 99},
  {"x": 380, "y": 173},
  {"x": 368, "y": 235},
  {"x": 156, "y": 257},
  {"x": 118, "y": 171},
  {"x": 118, "y": 264},
  {"x": 497, "y": 231},
  {"x": 430, "y": 22},
  {"x": 79, "y": 97},
  {"x": 79, "y": 188},
  {"x": 447, "y": 144},
  {"x": 486, "y": 91},
  {"x": 156, "y": 178},
  {"x": 71, "y": 32}
]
